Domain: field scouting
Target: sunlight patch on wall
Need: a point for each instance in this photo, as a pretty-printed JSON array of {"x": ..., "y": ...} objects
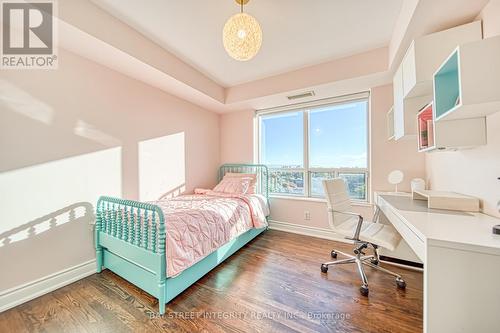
[
  {"x": 161, "y": 167},
  {"x": 90, "y": 132},
  {"x": 19, "y": 101},
  {"x": 38, "y": 198}
]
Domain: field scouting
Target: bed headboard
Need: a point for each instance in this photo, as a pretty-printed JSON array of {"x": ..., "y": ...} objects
[{"x": 259, "y": 169}]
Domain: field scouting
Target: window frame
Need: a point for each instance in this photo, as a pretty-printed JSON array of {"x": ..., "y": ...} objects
[{"x": 307, "y": 171}]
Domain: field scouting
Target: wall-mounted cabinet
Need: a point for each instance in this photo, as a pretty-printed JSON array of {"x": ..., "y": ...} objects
[
  {"x": 400, "y": 127},
  {"x": 467, "y": 84},
  {"x": 390, "y": 124},
  {"x": 448, "y": 135},
  {"x": 425, "y": 123},
  {"x": 413, "y": 79},
  {"x": 405, "y": 109},
  {"x": 427, "y": 53}
]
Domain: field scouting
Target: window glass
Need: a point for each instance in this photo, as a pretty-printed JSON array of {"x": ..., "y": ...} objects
[
  {"x": 337, "y": 146},
  {"x": 286, "y": 182},
  {"x": 317, "y": 182},
  {"x": 281, "y": 140},
  {"x": 338, "y": 136},
  {"x": 356, "y": 184}
]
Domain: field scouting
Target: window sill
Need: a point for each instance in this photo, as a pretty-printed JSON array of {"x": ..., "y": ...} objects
[{"x": 308, "y": 199}]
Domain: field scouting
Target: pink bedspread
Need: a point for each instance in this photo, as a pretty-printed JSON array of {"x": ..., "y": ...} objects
[{"x": 196, "y": 225}]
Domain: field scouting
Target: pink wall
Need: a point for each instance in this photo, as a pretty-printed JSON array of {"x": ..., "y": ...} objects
[
  {"x": 237, "y": 146},
  {"x": 342, "y": 69},
  {"x": 474, "y": 171},
  {"x": 389, "y": 155},
  {"x": 236, "y": 137},
  {"x": 114, "y": 32},
  {"x": 83, "y": 130}
]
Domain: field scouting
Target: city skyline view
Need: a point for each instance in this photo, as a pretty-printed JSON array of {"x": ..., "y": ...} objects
[{"x": 337, "y": 139}]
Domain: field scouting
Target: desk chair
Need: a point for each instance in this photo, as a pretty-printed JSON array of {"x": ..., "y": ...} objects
[{"x": 364, "y": 234}]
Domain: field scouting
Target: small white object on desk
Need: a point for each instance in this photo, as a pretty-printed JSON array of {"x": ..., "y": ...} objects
[
  {"x": 417, "y": 184},
  {"x": 395, "y": 178},
  {"x": 447, "y": 200}
]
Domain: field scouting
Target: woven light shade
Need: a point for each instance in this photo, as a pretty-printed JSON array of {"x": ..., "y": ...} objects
[{"x": 242, "y": 36}]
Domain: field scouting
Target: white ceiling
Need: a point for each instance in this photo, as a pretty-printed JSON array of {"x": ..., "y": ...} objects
[{"x": 296, "y": 33}]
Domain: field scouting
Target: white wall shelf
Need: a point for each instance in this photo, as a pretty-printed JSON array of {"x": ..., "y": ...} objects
[
  {"x": 413, "y": 79},
  {"x": 467, "y": 84},
  {"x": 425, "y": 125},
  {"x": 405, "y": 109},
  {"x": 427, "y": 53},
  {"x": 390, "y": 124},
  {"x": 448, "y": 135}
]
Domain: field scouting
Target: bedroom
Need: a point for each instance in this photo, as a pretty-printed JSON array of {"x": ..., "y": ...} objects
[{"x": 136, "y": 102}]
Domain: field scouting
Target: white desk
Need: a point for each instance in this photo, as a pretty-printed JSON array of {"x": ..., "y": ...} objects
[{"x": 461, "y": 259}]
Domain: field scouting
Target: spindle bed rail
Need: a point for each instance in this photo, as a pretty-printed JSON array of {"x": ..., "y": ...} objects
[{"x": 130, "y": 241}]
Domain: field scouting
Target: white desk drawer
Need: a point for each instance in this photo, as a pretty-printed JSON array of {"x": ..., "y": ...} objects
[{"x": 415, "y": 242}]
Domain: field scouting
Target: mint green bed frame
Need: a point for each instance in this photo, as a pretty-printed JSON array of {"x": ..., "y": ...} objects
[{"x": 130, "y": 241}]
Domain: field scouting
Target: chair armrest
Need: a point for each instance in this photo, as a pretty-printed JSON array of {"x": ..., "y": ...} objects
[
  {"x": 376, "y": 215},
  {"x": 342, "y": 212},
  {"x": 360, "y": 221}
]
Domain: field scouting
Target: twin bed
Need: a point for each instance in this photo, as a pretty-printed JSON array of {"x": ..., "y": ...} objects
[{"x": 165, "y": 246}]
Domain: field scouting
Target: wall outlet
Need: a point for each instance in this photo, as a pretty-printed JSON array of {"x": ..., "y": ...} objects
[{"x": 307, "y": 215}]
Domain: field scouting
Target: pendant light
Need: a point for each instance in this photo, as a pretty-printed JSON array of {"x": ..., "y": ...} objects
[{"x": 242, "y": 36}]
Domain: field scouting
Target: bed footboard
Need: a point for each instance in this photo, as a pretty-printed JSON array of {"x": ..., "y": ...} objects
[{"x": 130, "y": 240}]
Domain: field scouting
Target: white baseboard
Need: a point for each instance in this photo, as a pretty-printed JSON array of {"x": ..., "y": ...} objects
[
  {"x": 28, "y": 291},
  {"x": 307, "y": 231}
]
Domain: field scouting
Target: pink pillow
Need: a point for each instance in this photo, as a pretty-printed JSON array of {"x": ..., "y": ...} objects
[
  {"x": 233, "y": 185},
  {"x": 252, "y": 177}
]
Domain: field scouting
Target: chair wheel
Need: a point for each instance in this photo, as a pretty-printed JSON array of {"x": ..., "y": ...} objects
[
  {"x": 374, "y": 261},
  {"x": 364, "y": 290},
  {"x": 324, "y": 268},
  {"x": 401, "y": 283},
  {"x": 333, "y": 254}
]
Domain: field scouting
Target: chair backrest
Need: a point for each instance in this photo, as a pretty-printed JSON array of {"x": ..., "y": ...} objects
[{"x": 337, "y": 199}]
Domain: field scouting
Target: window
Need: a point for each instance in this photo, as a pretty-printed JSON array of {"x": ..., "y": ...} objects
[{"x": 303, "y": 146}]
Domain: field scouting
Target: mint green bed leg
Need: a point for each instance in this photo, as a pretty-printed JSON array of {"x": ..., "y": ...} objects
[
  {"x": 161, "y": 298},
  {"x": 98, "y": 248},
  {"x": 162, "y": 272}
]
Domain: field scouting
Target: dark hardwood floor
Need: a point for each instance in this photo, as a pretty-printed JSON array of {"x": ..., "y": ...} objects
[{"x": 273, "y": 284}]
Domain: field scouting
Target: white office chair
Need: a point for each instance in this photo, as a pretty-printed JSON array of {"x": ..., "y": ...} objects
[{"x": 363, "y": 233}]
